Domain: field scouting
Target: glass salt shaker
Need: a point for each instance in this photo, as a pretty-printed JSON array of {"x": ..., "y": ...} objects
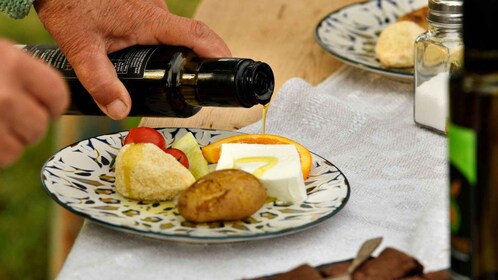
[{"x": 438, "y": 52}]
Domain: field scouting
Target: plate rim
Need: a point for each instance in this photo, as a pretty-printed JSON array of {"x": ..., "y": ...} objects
[
  {"x": 194, "y": 238},
  {"x": 391, "y": 72}
]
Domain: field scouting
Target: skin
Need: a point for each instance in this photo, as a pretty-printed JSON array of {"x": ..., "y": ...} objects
[
  {"x": 86, "y": 31},
  {"x": 27, "y": 102}
]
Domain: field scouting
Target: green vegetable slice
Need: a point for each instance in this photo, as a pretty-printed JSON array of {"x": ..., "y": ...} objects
[{"x": 198, "y": 165}]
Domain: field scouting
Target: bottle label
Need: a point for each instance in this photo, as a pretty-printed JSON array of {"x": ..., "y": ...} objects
[
  {"x": 53, "y": 56},
  {"x": 463, "y": 176},
  {"x": 129, "y": 63}
]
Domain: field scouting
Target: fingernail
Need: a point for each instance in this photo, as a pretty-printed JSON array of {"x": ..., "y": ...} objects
[{"x": 117, "y": 109}]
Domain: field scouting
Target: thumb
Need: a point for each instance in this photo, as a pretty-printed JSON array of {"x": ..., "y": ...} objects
[{"x": 98, "y": 75}]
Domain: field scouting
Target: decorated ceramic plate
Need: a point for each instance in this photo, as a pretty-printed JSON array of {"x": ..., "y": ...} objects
[
  {"x": 80, "y": 177},
  {"x": 351, "y": 33}
]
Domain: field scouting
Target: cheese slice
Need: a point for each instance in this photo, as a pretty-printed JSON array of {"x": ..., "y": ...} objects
[{"x": 277, "y": 166}]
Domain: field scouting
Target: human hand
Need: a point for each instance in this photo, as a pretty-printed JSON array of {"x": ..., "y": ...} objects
[
  {"x": 87, "y": 30},
  {"x": 31, "y": 94}
]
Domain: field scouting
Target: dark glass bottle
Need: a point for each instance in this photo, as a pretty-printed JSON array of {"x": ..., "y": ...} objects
[
  {"x": 166, "y": 81},
  {"x": 473, "y": 148}
]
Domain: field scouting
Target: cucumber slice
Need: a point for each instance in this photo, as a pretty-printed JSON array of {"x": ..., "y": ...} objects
[{"x": 198, "y": 165}]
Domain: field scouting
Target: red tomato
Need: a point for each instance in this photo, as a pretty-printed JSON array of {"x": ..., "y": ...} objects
[
  {"x": 179, "y": 155},
  {"x": 145, "y": 135}
]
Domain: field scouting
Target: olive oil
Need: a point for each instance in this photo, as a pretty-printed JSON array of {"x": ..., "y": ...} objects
[
  {"x": 269, "y": 162},
  {"x": 167, "y": 81},
  {"x": 263, "y": 118}
]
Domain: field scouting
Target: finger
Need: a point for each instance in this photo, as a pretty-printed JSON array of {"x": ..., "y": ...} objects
[
  {"x": 176, "y": 30},
  {"x": 45, "y": 84},
  {"x": 11, "y": 148},
  {"x": 99, "y": 77},
  {"x": 26, "y": 119}
]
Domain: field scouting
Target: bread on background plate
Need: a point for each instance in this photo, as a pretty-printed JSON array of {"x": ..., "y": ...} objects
[{"x": 395, "y": 46}]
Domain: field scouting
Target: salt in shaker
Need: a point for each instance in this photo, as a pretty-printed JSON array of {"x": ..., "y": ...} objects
[{"x": 438, "y": 52}]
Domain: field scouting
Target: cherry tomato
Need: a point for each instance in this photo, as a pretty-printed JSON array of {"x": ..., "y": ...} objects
[
  {"x": 179, "y": 155},
  {"x": 145, "y": 135}
]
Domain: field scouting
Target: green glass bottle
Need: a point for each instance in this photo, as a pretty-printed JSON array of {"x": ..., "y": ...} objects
[{"x": 473, "y": 148}]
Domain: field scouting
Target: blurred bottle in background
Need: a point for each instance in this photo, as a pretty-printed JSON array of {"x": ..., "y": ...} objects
[{"x": 473, "y": 148}]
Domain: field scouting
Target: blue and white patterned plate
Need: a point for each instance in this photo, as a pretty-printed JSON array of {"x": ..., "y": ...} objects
[
  {"x": 80, "y": 177},
  {"x": 350, "y": 33}
]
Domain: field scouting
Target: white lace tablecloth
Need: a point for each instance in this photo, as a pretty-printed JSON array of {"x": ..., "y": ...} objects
[{"x": 360, "y": 121}]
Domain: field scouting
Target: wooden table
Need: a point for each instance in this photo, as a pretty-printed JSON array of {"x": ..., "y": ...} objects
[{"x": 278, "y": 32}]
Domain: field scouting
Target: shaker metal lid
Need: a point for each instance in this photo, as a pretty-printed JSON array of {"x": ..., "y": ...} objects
[{"x": 445, "y": 11}]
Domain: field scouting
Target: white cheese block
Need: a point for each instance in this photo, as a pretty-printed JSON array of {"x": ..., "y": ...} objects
[{"x": 276, "y": 165}]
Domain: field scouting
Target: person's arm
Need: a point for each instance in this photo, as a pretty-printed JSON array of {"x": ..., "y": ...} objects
[
  {"x": 87, "y": 30},
  {"x": 16, "y": 8}
]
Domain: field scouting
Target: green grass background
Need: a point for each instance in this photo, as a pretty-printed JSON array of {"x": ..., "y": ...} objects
[{"x": 25, "y": 209}]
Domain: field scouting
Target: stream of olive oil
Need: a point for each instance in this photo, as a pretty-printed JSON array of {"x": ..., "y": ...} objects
[{"x": 263, "y": 119}]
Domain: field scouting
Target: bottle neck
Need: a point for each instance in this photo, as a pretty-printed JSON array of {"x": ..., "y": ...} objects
[
  {"x": 230, "y": 81},
  {"x": 480, "y": 21},
  {"x": 221, "y": 82},
  {"x": 481, "y": 44}
]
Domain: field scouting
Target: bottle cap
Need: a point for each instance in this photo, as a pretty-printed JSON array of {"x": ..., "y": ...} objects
[{"x": 445, "y": 11}]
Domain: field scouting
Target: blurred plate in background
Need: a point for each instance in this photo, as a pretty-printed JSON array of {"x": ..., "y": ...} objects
[{"x": 351, "y": 33}]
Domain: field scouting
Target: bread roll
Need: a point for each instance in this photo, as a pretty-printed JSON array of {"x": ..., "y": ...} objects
[
  {"x": 145, "y": 172},
  {"x": 395, "y": 46}
]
